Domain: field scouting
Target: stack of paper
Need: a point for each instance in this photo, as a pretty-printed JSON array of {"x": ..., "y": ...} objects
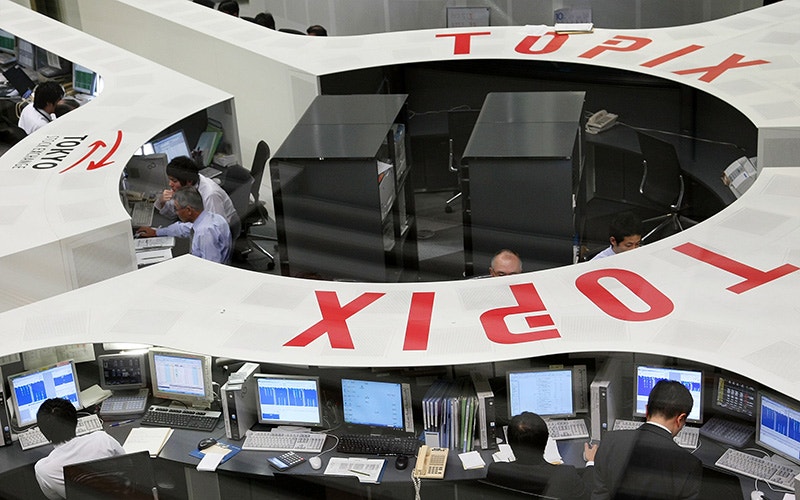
[
  {"x": 367, "y": 470},
  {"x": 151, "y": 439}
]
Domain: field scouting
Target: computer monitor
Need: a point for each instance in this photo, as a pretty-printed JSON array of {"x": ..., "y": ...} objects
[
  {"x": 25, "y": 54},
  {"x": 734, "y": 397},
  {"x": 778, "y": 425},
  {"x": 647, "y": 376},
  {"x": 120, "y": 372},
  {"x": 546, "y": 392},
  {"x": 181, "y": 376},
  {"x": 173, "y": 145},
  {"x": 50, "y": 65},
  {"x": 84, "y": 80},
  {"x": 378, "y": 405},
  {"x": 8, "y": 43},
  {"x": 31, "y": 388},
  {"x": 288, "y": 400}
]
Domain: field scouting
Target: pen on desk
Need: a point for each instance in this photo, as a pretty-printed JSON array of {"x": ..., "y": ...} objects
[
  {"x": 123, "y": 422},
  {"x": 358, "y": 472}
]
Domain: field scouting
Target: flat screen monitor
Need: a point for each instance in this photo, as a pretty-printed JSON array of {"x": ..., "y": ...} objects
[
  {"x": 173, "y": 145},
  {"x": 84, "y": 80},
  {"x": 778, "y": 425},
  {"x": 50, "y": 65},
  {"x": 379, "y": 405},
  {"x": 647, "y": 376},
  {"x": 288, "y": 400},
  {"x": 181, "y": 376},
  {"x": 31, "y": 388},
  {"x": 8, "y": 43},
  {"x": 546, "y": 392},
  {"x": 734, "y": 396},
  {"x": 25, "y": 54},
  {"x": 120, "y": 372}
]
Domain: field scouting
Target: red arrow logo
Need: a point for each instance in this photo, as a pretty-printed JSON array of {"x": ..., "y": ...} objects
[{"x": 95, "y": 146}]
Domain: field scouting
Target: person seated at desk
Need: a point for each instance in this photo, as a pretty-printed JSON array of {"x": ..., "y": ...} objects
[
  {"x": 646, "y": 463},
  {"x": 57, "y": 419},
  {"x": 182, "y": 171},
  {"x": 39, "y": 113},
  {"x": 505, "y": 263},
  {"x": 209, "y": 233},
  {"x": 527, "y": 436},
  {"x": 624, "y": 233}
]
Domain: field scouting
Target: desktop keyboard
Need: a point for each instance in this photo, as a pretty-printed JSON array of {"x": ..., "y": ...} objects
[
  {"x": 142, "y": 214},
  {"x": 758, "y": 468},
  {"x": 728, "y": 432},
  {"x": 567, "y": 429},
  {"x": 284, "y": 441},
  {"x": 688, "y": 437},
  {"x": 179, "y": 418},
  {"x": 377, "y": 445},
  {"x": 33, "y": 437},
  {"x": 155, "y": 242},
  {"x": 125, "y": 403}
]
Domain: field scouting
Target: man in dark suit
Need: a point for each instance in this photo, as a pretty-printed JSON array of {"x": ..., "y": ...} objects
[
  {"x": 527, "y": 436},
  {"x": 646, "y": 463}
]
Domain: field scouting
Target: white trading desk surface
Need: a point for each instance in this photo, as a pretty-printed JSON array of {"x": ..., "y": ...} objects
[{"x": 722, "y": 292}]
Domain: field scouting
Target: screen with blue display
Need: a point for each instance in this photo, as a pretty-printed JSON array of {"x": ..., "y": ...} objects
[
  {"x": 288, "y": 400},
  {"x": 648, "y": 376},
  {"x": 31, "y": 388}
]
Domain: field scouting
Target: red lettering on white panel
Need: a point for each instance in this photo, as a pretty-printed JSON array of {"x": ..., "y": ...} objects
[
  {"x": 752, "y": 277},
  {"x": 632, "y": 43},
  {"x": 529, "y": 302},
  {"x": 334, "y": 320},
  {"x": 463, "y": 41},
  {"x": 418, "y": 328},
  {"x": 554, "y": 43},
  {"x": 712, "y": 72},
  {"x": 672, "y": 55},
  {"x": 658, "y": 303}
]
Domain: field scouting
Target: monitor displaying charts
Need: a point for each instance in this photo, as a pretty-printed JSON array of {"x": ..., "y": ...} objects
[
  {"x": 172, "y": 145},
  {"x": 646, "y": 378}
]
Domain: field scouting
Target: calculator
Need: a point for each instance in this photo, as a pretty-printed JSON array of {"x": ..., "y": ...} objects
[{"x": 286, "y": 461}]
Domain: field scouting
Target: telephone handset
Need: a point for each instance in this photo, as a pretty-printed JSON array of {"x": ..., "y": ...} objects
[
  {"x": 740, "y": 175},
  {"x": 600, "y": 121},
  {"x": 430, "y": 462}
]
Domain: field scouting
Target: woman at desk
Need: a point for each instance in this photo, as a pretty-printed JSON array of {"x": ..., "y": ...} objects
[{"x": 39, "y": 113}]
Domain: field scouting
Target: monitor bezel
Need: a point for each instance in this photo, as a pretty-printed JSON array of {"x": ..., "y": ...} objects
[
  {"x": 202, "y": 402},
  {"x": 404, "y": 407},
  {"x": 275, "y": 376},
  {"x": 700, "y": 404},
  {"x": 78, "y": 68},
  {"x": 26, "y": 373},
  {"x": 783, "y": 401},
  {"x": 11, "y": 36},
  {"x": 573, "y": 375},
  {"x": 26, "y": 54},
  {"x": 64, "y": 66},
  {"x": 122, "y": 387},
  {"x": 166, "y": 137},
  {"x": 722, "y": 409}
]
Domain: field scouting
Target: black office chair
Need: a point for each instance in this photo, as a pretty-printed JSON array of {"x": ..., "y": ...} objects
[
  {"x": 662, "y": 183},
  {"x": 243, "y": 187},
  {"x": 122, "y": 477}
]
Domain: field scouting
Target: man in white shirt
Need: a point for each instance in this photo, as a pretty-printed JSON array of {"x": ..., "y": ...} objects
[
  {"x": 624, "y": 233},
  {"x": 40, "y": 112},
  {"x": 57, "y": 419}
]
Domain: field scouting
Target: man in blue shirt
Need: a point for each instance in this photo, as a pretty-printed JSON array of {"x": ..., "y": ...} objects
[{"x": 209, "y": 232}]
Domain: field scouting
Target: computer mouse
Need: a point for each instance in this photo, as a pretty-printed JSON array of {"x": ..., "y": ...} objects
[
  {"x": 206, "y": 443},
  {"x": 315, "y": 462},
  {"x": 401, "y": 462},
  {"x": 756, "y": 495}
]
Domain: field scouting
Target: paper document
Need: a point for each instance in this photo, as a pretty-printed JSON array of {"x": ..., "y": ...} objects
[
  {"x": 151, "y": 439},
  {"x": 93, "y": 395},
  {"x": 367, "y": 470},
  {"x": 471, "y": 460},
  {"x": 574, "y": 27}
]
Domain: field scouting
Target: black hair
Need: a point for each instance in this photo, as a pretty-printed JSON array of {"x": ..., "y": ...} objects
[
  {"x": 669, "y": 399},
  {"x": 48, "y": 92},
  {"x": 527, "y": 435},
  {"x": 229, "y": 7},
  {"x": 265, "y": 19},
  {"x": 57, "y": 419},
  {"x": 317, "y": 30},
  {"x": 184, "y": 169},
  {"x": 625, "y": 224}
]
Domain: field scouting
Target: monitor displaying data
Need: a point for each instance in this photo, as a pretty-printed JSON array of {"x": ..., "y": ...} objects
[
  {"x": 25, "y": 54},
  {"x": 647, "y": 377},
  {"x": 181, "y": 376},
  {"x": 31, "y": 388},
  {"x": 288, "y": 400},
  {"x": 173, "y": 145},
  {"x": 778, "y": 426},
  {"x": 84, "y": 80},
  {"x": 546, "y": 392},
  {"x": 8, "y": 42},
  {"x": 122, "y": 371},
  {"x": 375, "y": 404},
  {"x": 50, "y": 65},
  {"x": 734, "y": 396}
]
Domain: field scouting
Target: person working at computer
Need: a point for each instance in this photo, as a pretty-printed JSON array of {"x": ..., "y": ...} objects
[
  {"x": 39, "y": 113},
  {"x": 505, "y": 263},
  {"x": 624, "y": 233},
  {"x": 527, "y": 436},
  {"x": 182, "y": 171},
  {"x": 646, "y": 463},
  {"x": 209, "y": 233},
  {"x": 57, "y": 419}
]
